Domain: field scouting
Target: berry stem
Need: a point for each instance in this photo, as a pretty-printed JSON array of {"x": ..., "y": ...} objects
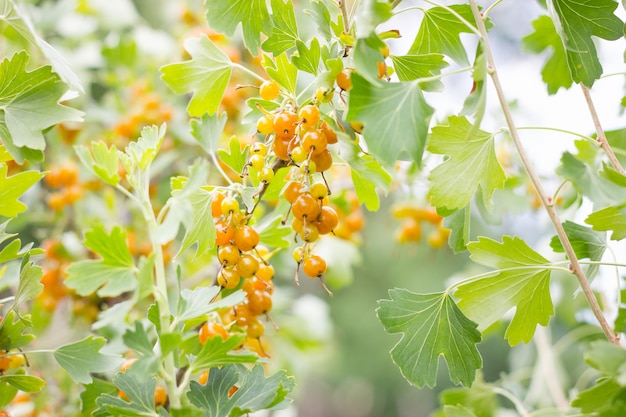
[
  {"x": 604, "y": 144},
  {"x": 575, "y": 266}
]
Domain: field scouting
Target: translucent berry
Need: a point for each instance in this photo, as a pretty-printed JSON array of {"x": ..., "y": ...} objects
[
  {"x": 211, "y": 329},
  {"x": 314, "y": 266},
  {"x": 306, "y": 206},
  {"x": 246, "y": 238},
  {"x": 228, "y": 278},
  {"x": 247, "y": 266},
  {"x": 309, "y": 115},
  {"x": 269, "y": 90}
]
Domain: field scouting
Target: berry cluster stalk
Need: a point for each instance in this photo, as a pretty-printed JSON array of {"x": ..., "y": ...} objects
[{"x": 575, "y": 267}]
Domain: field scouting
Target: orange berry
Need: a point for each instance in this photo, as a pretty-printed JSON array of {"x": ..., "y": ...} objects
[
  {"x": 160, "y": 396},
  {"x": 269, "y": 90},
  {"x": 343, "y": 79},
  {"x": 211, "y": 329},
  {"x": 314, "y": 266}
]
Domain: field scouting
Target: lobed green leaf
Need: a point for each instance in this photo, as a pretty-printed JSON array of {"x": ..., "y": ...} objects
[
  {"x": 206, "y": 74},
  {"x": 13, "y": 187},
  {"x": 431, "y": 325},
  {"x": 82, "y": 358},
  {"x": 522, "y": 281},
  {"x": 472, "y": 164},
  {"x": 407, "y": 117},
  {"x": 578, "y": 21}
]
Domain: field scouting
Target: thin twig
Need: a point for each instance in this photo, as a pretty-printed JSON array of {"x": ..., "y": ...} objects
[
  {"x": 547, "y": 368},
  {"x": 604, "y": 144},
  {"x": 575, "y": 266}
]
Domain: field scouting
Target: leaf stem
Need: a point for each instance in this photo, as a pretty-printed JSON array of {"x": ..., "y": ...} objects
[
  {"x": 546, "y": 367},
  {"x": 553, "y": 266},
  {"x": 395, "y": 3},
  {"x": 248, "y": 71},
  {"x": 219, "y": 167},
  {"x": 516, "y": 402},
  {"x": 604, "y": 144},
  {"x": 556, "y": 129},
  {"x": 554, "y": 218},
  {"x": 458, "y": 16},
  {"x": 490, "y": 8}
]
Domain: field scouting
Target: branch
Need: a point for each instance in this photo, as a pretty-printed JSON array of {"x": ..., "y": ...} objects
[
  {"x": 604, "y": 144},
  {"x": 575, "y": 267}
]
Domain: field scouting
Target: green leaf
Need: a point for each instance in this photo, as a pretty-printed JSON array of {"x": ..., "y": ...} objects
[
  {"x": 281, "y": 71},
  {"x": 235, "y": 157},
  {"x": 606, "y": 357},
  {"x": 206, "y": 74},
  {"x": 371, "y": 14},
  {"x": 307, "y": 59},
  {"x": 225, "y": 15},
  {"x": 82, "y": 358},
  {"x": 368, "y": 176},
  {"x": 321, "y": 15},
  {"x": 197, "y": 302},
  {"x": 140, "y": 154},
  {"x": 30, "y": 285},
  {"x": 12, "y": 188},
  {"x": 180, "y": 207},
  {"x": 112, "y": 275},
  {"x": 413, "y": 67},
  {"x": 216, "y": 352},
  {"x": 601, "y": 396},
  {"x": 208, "y": 130},
  {"x": 431, "y": 325},
  {"x": 256, "y": 392},
  {"x": 459, "y": 224},
  {"x": 7, "y": 393},
  {"x": 26, "y": 383},
  {"x": 586, "y": 244},
  {"x": 273, "y": 233},
  {"x": 199, "y": 227},
  {"x": 29, "y": 104},
  {"x": 579, "y": 20},
  {"x": 138, "y": 387},
  {"x": 92, "y": 391},
  {"x": 13, "y": 250},
  {"x": 617, "y": 140},
  {"x": 13, "y": 16},
  {"x": 367, "y": 54},
  {"x": 407, "y": 116},
  {"x": 555, "y": 72},
  {"x": 273, "y": 190},
  {"x": 472, "y": 163},
  {"x": 138, "y": 340},
  {"x": 612, "y": 218},
  {"x": 611, "y": 174},
  {"x": 479, "y": 398},
  {"x": 13, "y": 332},
  {"x": 102, "y": 161},
  {"x": 440, "y": 32},
  {"x": 583, "y": 172},
  {"x": 285, "y": 31},
  {"x": 523, "y": 282},
  {"x": 476, "y": 101},
  {"x": 457, "y": 411}
]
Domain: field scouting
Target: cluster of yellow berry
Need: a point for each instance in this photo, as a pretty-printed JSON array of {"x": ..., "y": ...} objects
[{"x": 411, "y": 228}]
